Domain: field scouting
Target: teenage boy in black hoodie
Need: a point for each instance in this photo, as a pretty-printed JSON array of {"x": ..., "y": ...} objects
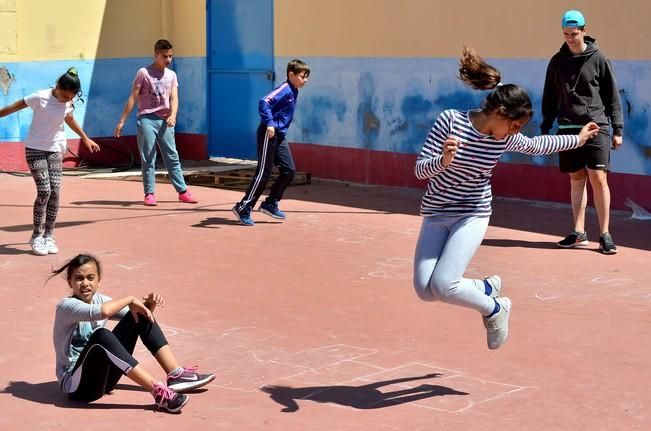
[{"x": 580, "y": 87}]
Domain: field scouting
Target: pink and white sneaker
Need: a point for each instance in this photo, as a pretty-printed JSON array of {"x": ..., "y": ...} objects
[
  {"x": 187, "y": 197},
  {"x": 167, "y": 399},
  {"x": 187, "y": 379},
  {"x": 150, "y": 200}
]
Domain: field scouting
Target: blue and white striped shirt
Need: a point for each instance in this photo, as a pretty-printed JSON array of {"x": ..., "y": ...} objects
[{"x": 464, "y": 187}]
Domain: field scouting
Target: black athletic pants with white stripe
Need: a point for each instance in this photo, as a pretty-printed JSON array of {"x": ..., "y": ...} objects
[
  {"x": 274, "y": 151},
  {"x": 108, "y": 355}
]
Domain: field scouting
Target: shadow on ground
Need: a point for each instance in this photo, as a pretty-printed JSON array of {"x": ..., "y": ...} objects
[
  {"x": 359, "y": 397},
  {"x": 49, "y": 393}
]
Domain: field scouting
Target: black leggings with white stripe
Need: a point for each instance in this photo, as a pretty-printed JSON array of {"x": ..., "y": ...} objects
[
  {"x": 271, "y": 151},
  {"x": 108, "y": 356}
]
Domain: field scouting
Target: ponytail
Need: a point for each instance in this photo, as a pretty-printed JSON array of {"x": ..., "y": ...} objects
[
  {"x": 476, "y": 73},
  {"x": 509, "y": 100}
]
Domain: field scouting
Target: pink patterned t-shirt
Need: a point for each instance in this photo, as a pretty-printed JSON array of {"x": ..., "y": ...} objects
[{"x": 155, "y": 90}]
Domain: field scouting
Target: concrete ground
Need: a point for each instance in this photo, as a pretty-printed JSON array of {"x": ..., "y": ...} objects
[{"x": 312, "y": 323}]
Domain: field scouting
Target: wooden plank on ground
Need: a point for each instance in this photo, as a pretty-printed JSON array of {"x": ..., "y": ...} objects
[{"x": 238, "y": 179}]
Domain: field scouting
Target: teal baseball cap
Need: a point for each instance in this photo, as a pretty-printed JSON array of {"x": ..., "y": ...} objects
[{"x": 573, "y": 18}]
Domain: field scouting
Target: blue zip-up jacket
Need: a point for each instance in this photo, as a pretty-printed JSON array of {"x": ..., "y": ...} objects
[{"x": 277, "y": 108}]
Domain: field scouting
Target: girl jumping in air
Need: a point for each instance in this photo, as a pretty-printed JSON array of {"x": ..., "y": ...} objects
[
  {"x": 458, "y": 159},
  {"x": 44, "y": 148},
  {"x": 90, "y": 359}
]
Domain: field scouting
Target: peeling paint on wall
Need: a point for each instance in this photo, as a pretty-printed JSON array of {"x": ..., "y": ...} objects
[
  {"x": 390, "y": 104},
  {"x": 105, "y": 85},
  {"x": 6, "y": 79}
]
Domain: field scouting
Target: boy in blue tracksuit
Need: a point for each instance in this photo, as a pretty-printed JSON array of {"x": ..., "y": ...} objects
[{"x": 276, "y": 113}]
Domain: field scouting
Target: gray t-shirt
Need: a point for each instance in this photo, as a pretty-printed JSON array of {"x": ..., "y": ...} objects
[{"x": 74, "y": 323}]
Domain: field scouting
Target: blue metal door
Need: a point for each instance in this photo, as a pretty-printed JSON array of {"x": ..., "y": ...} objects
[{"x": 240, "y": 73}]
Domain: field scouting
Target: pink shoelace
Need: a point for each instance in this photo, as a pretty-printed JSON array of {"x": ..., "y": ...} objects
[
  {"x": 190, "y": 370},
  {"x": 162, "y": 391}
]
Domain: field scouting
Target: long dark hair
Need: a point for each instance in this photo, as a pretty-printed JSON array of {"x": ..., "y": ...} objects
[
  {"x": 76, "y": 262},
  {"x": 509, "y": 100},
  {"x": 69, "y": 81}
]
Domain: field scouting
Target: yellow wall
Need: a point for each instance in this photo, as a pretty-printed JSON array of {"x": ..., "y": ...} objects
[
  {"x": 40, "y": 30},
  {"x": 8, "y": 36},
  {"x": 188, "y": 27},
  {"x": 428, "y": 28}
]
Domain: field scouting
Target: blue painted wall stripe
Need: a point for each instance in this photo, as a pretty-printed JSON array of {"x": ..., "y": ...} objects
[
  {"x": 105, "y": 85},
  {"x": 389, "y": 104}
]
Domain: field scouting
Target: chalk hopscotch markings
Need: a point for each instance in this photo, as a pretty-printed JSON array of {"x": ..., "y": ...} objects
[
  {"x": 128, "y": 267},
  {"x": 104, "y": 253},
  {"x": 546, "y": 298},
  {"x": 253, "y": 333},
  {"x": 480, "y": 390},
  {"x": 355, "y": 239},
  {"x": 321, "y": 357},
  {"x": 610, "y": 281},
  {"x": 308, "y": 223},
  {"x": 344, "y": 365},
  {"x": 408, "y": 232},
  {"x": 614, "y": 286},
  {"x": 601, "y": 286},
  {"x": 335, "y": 375},
  {"x": 245, "y": 359},
  {"x": 398, "y": 268},
  {"x": 353, "y": 234}
]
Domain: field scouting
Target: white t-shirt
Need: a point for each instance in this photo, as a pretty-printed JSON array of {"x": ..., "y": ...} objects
[{"x": 47, "y": 131}]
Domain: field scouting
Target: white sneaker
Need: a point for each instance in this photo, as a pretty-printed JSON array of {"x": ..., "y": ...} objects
[
  {"x": 496, "y": 284},
  {"x": 38, "y": 246},
  {"x": 497, "y": 326},
  {"x": 50, "y": 245}
]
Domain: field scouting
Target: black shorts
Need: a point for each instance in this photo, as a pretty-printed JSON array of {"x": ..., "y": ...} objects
[{"x": 595, "y": 154}]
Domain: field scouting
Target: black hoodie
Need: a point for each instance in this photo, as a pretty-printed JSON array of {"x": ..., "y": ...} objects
[{"x": 581, "y": 88}]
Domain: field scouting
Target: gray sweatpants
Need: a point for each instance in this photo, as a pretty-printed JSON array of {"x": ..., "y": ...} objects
[{"x": 445, "y": 247}]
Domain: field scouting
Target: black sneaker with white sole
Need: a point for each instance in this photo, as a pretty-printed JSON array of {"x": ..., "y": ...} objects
[
  {"x": 168, "y": 399},
  {"x": 575, "y": 239},
  {"x": 606, "y": 244},
  {"x": 187, "y": 379}
]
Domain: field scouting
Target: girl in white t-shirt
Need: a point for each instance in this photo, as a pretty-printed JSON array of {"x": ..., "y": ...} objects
[{"x": 44, "y": 148}]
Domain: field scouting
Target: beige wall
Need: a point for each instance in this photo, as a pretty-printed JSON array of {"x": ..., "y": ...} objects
[
  {"x": 130, "y": 27},
  {"x": 41, "y": 30},
  {"x": 439, "y": 28},
  {"x": 188, "y": 27},
  {"x": 38, "y": 30}
]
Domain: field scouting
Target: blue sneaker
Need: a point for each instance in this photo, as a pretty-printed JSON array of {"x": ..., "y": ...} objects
[
  {"x": 272, "y": 210},
  {"x": 244, "y": 216}
]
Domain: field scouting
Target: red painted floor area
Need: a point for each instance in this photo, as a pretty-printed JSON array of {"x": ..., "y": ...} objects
[{"x": 322, "y": 307}]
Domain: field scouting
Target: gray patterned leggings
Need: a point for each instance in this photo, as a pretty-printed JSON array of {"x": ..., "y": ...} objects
[{"x": 46, "y": 168}]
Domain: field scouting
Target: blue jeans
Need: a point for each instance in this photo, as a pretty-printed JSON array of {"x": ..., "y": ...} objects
[
  {"x": 152, "y": 130},
  {"x": 445, "y": 247}
]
